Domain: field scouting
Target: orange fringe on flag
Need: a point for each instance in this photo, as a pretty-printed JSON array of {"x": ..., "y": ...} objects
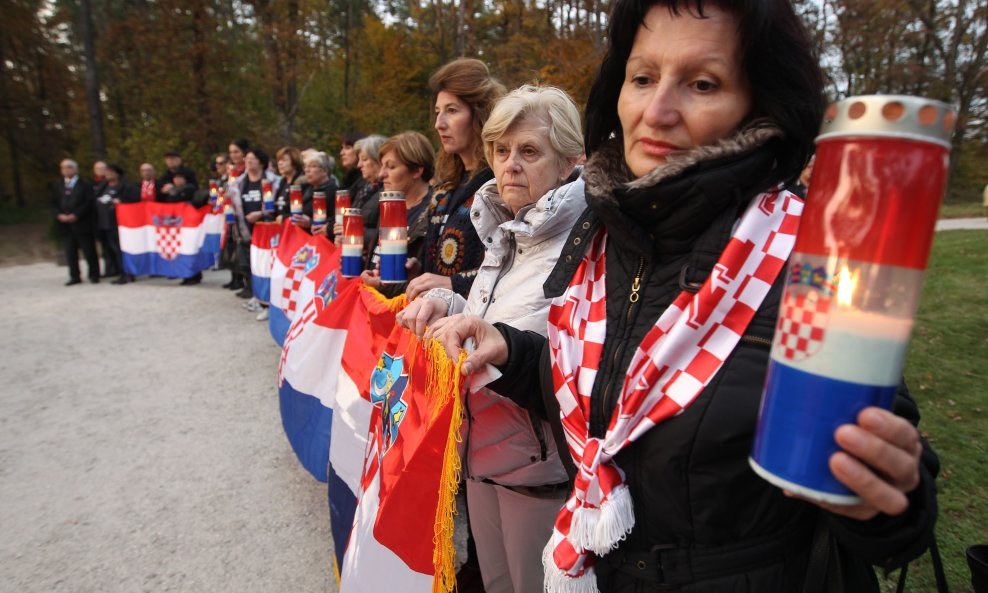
[
  {"x": 442, "y": 389},
  {"x": 393, "y": 304}
]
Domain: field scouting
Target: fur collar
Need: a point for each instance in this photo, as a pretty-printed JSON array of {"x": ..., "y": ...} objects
[{"x": 606, "y": 170}]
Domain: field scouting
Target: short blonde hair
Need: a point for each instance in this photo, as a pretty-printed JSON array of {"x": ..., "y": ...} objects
[
  {"x": 318, "y": 158},
  {"x": 546, "y": 103},
  {"x": 414, "y": 150}
]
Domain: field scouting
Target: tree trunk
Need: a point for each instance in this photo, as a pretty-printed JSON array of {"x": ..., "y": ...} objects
[
  {"x": 9, "y": 132},
  {"x": 92, "y": 81}
]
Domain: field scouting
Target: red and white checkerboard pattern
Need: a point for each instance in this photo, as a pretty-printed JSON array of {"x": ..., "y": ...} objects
[
  {"x": 290, "y": 288},
  {"x": 802, "y": 324},
  {"x": 294, "y": 330},
  {"x": 169, "y": 241},
  {"x": 677, "y": 358}
]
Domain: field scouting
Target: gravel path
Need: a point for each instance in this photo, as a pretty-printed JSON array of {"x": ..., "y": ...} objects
[
  {"x": 956, "y": 224},
  {"x": 141, "y": 447}
]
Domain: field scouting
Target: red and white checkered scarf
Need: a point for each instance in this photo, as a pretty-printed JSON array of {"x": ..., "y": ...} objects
[{"x": 675, "y": 361}]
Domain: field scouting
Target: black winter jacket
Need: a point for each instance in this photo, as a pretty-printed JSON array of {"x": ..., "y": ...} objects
[{"x": 704, "y": 521}]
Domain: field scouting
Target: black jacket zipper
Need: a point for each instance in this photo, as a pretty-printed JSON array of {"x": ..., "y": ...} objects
[{"x": 633, "y": 298}]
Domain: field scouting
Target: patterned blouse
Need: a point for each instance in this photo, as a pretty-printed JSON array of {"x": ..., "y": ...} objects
[{"x": 452, "y": 246}]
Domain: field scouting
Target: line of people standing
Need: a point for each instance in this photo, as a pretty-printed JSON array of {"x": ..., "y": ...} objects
[{"x": 85, "y": 211}]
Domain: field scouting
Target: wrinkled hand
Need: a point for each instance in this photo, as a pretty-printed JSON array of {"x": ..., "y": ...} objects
[
  {"x": 420, "y": 314},
  {"x": 302, "y": 221},
  {"x": 879, "y": 463},
  {"x": 253, "y": 217},
  {"x": 427, "y": 282},
  {"x": 453, "y": 332},
  {"x": 371, "y": 278}
]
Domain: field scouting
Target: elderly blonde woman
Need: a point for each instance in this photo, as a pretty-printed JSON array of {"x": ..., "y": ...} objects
[
  {"x": 318, "y": 171},
  {"x": 516, "y": 481},
  {"x": 366, "y": 197}
]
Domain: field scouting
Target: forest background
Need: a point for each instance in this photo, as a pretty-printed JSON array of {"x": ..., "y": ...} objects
[{"x": 127, "y": 80}]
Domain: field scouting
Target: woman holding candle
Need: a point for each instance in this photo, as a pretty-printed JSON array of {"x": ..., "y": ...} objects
[
  {"x": 318, "y": 178},
  {"x": 233, "y": 175},
  {"x": 406, "y": 166},
  {"x": 251, "y": 191},
  {"x": 352, "y": 177},
  {"x": 463, "y": 94},
  {"x": 515, "y": 479},
  {"x": 700, "y": 111},
  {"x": 366, "y": 196},
  {"x": 289, "y": 161}
]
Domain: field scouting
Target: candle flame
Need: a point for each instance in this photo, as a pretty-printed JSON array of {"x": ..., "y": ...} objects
[{"x": 846, "y": 283}]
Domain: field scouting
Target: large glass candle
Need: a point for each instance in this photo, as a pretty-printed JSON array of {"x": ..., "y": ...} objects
[
  {"x": 267, "y": 194},
  {"x": 342, "y": 203},
  {"x": 295, "y": 199},
  {"x": 352, "y": 256},
  {"x": 393, "y": 233},
  {"x": 319, "y": 208},
  {"x": 228, "y": 213},
  {"x": 214, "y": 192},
  {"x": 853, "y": 283}
]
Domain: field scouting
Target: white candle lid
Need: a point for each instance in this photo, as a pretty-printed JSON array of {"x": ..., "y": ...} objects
[{"x": 889, "y": 116}]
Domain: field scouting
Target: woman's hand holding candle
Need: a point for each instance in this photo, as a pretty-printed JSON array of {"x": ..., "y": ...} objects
[
  {"x": 253, "y": 217},
  {"x": 879, "y": 462},
  {"x": 302, "y": 221}
]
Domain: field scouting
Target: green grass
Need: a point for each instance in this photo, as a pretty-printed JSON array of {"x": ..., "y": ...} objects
[
  {"x": 947, "y": 372},
  {"x": 961, "y": 210}
]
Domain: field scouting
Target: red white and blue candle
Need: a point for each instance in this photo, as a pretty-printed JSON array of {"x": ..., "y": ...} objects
[
  {"x": 267, "y": 195},
  {"x": 318, "y": 208},
  {"x": 342, "y": 203},
  {"x": 220, "y": 200},
  {"x": 393, "y": 237},
  {"x": 214, "y": 192},
  {"x": 352, "y": 255},
  {"x": 853, "y": 285},
  {"x": 228, "y": 213},
  {"x": 295, "y": 200}
]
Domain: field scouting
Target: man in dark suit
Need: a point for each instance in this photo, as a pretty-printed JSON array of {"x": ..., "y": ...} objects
[
  {"x": 173, "y": 165},
  {"x": 72, "y": 202}
]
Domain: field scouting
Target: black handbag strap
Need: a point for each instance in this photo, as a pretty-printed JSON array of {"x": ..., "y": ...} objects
[
  {"x": 938, "y": 572},
  {"x": 821, "y": 557}
]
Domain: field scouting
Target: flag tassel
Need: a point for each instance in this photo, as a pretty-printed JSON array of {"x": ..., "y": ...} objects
[
  {"x": 443, "y": 387},
  {"x": 393, "y": 304}
]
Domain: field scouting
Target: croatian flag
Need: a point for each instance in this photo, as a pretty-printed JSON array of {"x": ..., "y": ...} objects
[
  {"x": 164, "y": 239},
  {"x": 402, "y": 531},
  {"x": 300, "y": 265},
  {"x": 263, "y": 241},
  {"x": 369, "y": 321}
]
